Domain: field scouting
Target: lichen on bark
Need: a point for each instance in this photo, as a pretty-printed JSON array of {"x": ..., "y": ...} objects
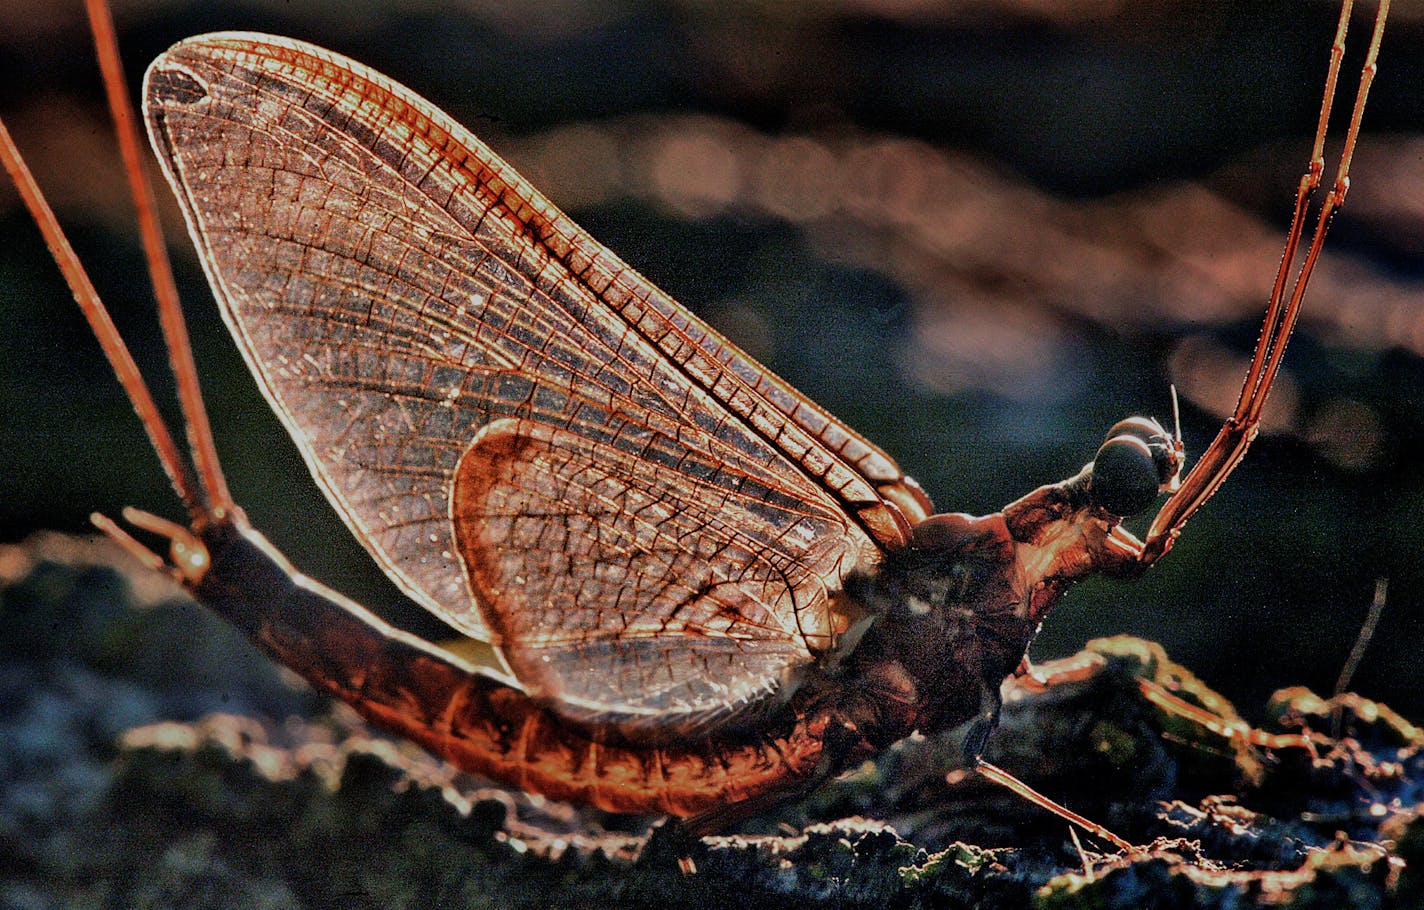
[{"x": 151, "y": 758}]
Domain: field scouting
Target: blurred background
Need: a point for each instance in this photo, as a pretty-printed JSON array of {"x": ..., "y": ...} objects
[{"x": 981, "y": 232}]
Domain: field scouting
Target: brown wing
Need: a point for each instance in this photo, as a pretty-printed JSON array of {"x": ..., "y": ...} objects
[
  {"x": 396, "y": 287},
  {"x": 623, "y": 587}
]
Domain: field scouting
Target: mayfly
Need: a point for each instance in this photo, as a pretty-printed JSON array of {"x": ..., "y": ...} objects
[{"x": 705, "y": 590}]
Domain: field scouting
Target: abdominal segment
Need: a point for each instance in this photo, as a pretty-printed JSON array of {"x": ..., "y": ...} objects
[{"x": 411, "y": 688}]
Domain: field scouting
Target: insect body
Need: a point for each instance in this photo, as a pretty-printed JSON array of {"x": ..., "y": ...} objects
[{"x": 706, "y": 590}]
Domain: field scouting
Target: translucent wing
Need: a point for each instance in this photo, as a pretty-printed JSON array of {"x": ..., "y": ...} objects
[
  {"x": 396, "y": 288},
  {"x": 623, "y": 586}
]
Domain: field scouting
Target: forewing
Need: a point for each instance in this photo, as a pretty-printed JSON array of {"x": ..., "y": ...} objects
[{"x": 395, "y": 287}]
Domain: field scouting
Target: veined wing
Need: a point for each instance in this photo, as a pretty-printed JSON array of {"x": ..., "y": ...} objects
[
  {"x": 396, "y": 288},
  {"x": 623, "y": 588}
]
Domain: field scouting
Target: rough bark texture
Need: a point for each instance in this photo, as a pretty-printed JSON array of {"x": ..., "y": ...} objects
[{"x": 121, "y": 785}]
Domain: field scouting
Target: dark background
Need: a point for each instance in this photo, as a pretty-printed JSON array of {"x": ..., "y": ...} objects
[{"x": 979, "y": 232}]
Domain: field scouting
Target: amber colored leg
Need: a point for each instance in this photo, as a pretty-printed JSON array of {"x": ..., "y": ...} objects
[
  {"x": 1231, "y": 443},
  {"x": 1005, "y": 779}
]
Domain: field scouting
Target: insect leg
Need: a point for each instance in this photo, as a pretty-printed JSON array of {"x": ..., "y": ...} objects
[
  {"x": 1006, "y": 780},
  {"x": 991, "y": 702},
  {"x": 1236, "y": 435}
]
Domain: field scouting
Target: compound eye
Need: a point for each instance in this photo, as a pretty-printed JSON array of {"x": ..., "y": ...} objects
[
  {"x": 1144, "y": 428},
  {"x": 1125, "y": 475},
  {"x": 1159, "y": 442}
]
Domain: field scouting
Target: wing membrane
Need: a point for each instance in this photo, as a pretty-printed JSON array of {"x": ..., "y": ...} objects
[
  {"x": 396, "y": 288},
  {"x": 622, "y": 587}
]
